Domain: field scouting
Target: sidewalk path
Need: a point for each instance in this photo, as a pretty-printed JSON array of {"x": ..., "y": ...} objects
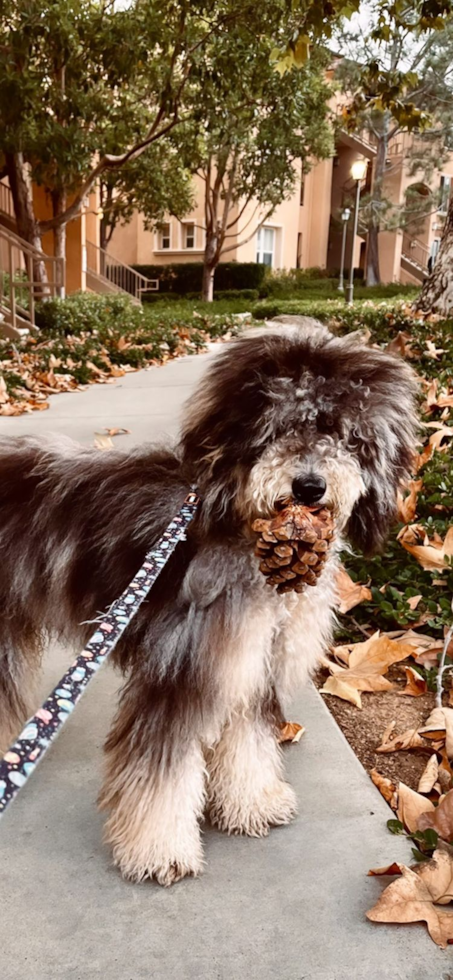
[{"x": 290, "y": 907}]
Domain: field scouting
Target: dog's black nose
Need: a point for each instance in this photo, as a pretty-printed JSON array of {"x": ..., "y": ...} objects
[{"x": 308, "y": 489}]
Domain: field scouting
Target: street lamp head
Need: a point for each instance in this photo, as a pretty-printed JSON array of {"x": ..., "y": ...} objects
[
  {"x": 359, "y": 169},
  {"x": 346, "y": 214}
]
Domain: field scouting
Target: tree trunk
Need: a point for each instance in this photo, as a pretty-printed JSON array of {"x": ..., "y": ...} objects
[
  {"x": 59, "y": 237},
  {"x": 437, "y": 291},
  {"x": 210, "y": 263},
  {"x": 373, "y": 272},
  {"x": 27, "y": 225}
]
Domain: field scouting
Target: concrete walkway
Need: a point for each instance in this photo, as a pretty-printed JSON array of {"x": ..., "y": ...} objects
[{"x": 291, "y": 907}]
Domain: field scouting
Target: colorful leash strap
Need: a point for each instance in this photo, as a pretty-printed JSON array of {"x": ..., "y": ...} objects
[{"x": 34, "y": 740}]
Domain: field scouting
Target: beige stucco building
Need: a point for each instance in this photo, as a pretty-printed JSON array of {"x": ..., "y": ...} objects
[{"x": 305, "y": 230}]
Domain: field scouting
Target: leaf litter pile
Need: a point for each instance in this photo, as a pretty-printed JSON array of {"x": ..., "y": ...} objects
[
  {"x": 388, "y": 681},
  {"x": 88, "y": 339}
]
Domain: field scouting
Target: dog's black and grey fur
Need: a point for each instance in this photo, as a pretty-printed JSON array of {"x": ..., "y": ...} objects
[{"x": 212, "y": 653}]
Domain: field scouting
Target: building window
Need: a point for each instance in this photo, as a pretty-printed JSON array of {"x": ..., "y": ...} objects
[
  {"x": 265, "y": 245},
  {"x": 164, "y": 235},
  {"x": 445, "y": 188},
  {"x": 302, "y": 190},
  {"x": 189, "y": 235}
]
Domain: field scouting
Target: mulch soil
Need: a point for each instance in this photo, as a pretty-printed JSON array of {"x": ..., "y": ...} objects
[{"x": 364, "y": 728}]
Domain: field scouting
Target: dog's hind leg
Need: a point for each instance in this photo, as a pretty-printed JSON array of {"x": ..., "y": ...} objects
[
  {"x": 17, "y": 693},
  {"x": 155, "y": 791},
  {"x": 246, "y": 791}
]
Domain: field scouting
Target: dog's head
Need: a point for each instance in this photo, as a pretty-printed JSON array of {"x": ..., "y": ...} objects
[{"x": 291, "y": 410}]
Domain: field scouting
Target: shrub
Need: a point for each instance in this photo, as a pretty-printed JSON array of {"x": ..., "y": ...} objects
[
  {"x": 186, "y": 277},
  {"x": 86, "y": 313}
]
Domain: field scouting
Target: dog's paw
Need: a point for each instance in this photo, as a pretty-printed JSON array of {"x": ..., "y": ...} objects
[
  {"x": 165, "y": 870},
  {"x": 255, "y": 817}
]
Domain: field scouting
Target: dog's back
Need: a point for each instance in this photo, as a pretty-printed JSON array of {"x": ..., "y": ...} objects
[{"x": 74, "y": 527}]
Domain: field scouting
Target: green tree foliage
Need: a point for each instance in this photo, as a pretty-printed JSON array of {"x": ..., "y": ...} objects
[
  {"x": 248, "y": 131},
  {"x": 418, "y": 64}
]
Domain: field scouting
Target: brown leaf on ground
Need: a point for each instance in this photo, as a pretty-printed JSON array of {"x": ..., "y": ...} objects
[
  {"x": 424, "y": 457},
  {"x": 118, "y": 432},
  {"x": 290, "y": 731},
  {"x": 349, "y": 593},
  {"x": 429, "y": 775},
  {"x": 413, "y": 897},
  {"x": 415, "y": 684},
  {"x": 432, "y": 554},
  {"x": 441, "y": 819},
  {"x": 411, "y": 806},
  {"x": 403, "y": 743},
  {"x": 386, "y": 787},
  {"x": 368, "y": 662},
  {"x": 433, "y": 351},
  {"x": 439, "y": 727},
  {"x": 389, "y": 869},
  {"x": 102, "y": 441},
  {"x": 407, "y": 506},
  {"x": 401, "y": 344}
]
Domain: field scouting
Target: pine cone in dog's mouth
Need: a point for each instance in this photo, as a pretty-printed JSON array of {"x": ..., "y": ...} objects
[{"x": 293, "y": 546}]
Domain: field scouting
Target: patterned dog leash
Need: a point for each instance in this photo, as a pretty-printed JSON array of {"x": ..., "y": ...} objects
[{"x": 23, "y": 756}]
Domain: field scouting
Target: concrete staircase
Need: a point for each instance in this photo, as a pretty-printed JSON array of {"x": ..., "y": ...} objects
[
  {"x": 414, "y": 257},
  {"x": 18, "y": 290}
]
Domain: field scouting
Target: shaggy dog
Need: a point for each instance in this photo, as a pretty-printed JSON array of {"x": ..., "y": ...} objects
[{"x": 287, "y": 411}]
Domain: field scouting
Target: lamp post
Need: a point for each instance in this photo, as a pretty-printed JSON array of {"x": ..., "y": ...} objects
[
  {"x": 345, "y": 218},
  {"x": 358, "y": 172}
]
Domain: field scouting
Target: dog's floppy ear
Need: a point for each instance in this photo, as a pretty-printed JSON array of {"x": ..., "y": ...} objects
[{"x": 383, "y": 437}]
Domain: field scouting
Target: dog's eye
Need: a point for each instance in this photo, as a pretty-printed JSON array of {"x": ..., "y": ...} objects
[{"x": 325, "y": 422}]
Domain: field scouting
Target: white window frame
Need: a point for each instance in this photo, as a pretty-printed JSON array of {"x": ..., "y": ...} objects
[
  {"x": 260, "y": 251},
  {"x": 185, "y": 228},
  {"x": 161, "y": 238}
]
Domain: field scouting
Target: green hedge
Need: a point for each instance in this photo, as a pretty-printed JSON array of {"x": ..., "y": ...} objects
[
  {"x": 248, "y": 295},
  {"x": 186, "y": 277}
]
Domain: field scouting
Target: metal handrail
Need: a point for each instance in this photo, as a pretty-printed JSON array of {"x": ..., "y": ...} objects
[
  {"x": 415, "y": 251},
  {"x": 20, "y": 257},
  {"x": 122, "y": 276}
]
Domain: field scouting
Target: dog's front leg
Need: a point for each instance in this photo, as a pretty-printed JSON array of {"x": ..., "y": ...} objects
[
  {"x": 246, "y": 791},
  {"x": 155, "y": 790}
]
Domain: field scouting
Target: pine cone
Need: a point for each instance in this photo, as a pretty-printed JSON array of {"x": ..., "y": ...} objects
[{"x": 293, "y": 546}]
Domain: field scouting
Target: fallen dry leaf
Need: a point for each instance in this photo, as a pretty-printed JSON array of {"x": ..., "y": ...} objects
[
  {"x": 411, "y": 806},
  {"x": 441, "y": 819},
  {"x": 385, "y": 786},
  {"x": 433, "y": 351},
  {"x": 429, "y": 775},
  {"x": 389, "y": 869},
  {"x": 290, "y": 731},
  {"x": 439, "y": 727},
  {"x": 118, "y": 432},
  {"x": 349, "y": 593},
  {"x": 424, "y": 457},
  {"x": 415, "y": 684},
  {"x": 413, "y": 601},
  {"x": 102, "y": 441},
  {"x": 407, "y": 506},
  {"x": 413, "y": 897},
  {"x": 403, "y": 743},
  {"x": 368, "y": 662},
  {"x": 433, "y": 554},
  {"x": 400, "y": 344}
]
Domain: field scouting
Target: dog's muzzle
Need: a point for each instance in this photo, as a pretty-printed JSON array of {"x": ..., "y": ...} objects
[{"x": 309, "y": 489}]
